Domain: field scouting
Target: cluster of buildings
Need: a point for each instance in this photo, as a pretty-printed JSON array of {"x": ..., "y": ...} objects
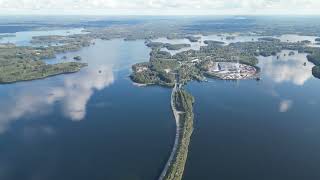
[{"x": 231, "y": 70}]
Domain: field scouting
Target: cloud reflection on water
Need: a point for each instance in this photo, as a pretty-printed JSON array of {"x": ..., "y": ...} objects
[
  {"x": 74, "y": 95},
  {"x": 77, "y": 91},
  {"x": 285, "y": 105},
  {"x": 287, "y": 68}
]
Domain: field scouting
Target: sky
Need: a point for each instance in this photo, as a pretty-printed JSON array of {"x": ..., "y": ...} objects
[{"x": 160, "y": 7}]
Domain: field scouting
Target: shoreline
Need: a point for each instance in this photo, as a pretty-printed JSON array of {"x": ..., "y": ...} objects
[
  {"x": 176, "y": 141},
  {"x": 174, "y": 168},
  {"x": 40, "y": 78}
]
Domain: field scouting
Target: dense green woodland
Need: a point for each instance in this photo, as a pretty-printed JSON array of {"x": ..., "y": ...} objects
[
  {"x": 316, "y": 71},
  {"x": 159, "y": 45},
  {"x": 184, "y": 103},
  {"x": 24, "y": 70},
  {"x": 314, "y": 57},
  {"x": 25, "y": 63}
]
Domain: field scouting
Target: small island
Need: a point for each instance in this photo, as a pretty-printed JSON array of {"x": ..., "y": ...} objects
[
  {"x": 306, "y": 42},
  {"x": 159, "y": 45},
  {"x": 77, "y": 58},
  {"x": 314, "y": 57},
  {"x": 211, "y": 42},
  {"x": 291, "y": 53},
  {"x": 193, "y": 38},
  {"x": 270, "y": 39},
  {"x": 230, "y": 38},
  {"x": 316, "y": 71}
]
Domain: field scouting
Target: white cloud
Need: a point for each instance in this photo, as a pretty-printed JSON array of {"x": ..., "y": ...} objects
[{"x": 161, "y": 6}]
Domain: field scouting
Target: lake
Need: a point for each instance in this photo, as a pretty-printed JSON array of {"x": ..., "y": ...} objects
[
  {"x": 95, "y": 124},
  {"x": 23, "y": 38},
  {"x": 87, "y": 125},
  {"x": 264, "y": 129}
]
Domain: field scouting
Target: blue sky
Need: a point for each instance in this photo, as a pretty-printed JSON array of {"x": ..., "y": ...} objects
[{"x": 160, "y": 7}]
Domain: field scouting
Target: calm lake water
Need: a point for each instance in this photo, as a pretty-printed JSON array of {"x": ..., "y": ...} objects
[
  {"x": 23, "y": 38},
  {"x": 96, "y": 124},
  {"x": 252, "y": 130},
  {"x": 88, "y": 125}
]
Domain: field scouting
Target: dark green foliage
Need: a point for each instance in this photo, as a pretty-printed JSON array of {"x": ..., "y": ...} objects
[
  {"x": 160, "y": 65},
  {"x": 166, "y": 77},
  {"x": 316, "y": 71},
  {"x": 77, "y": 58},
  {"x": 183, "y": 101},
  {"x": 154, "y": 45},
  {"x": 258, "y": 48},
  {"x": 159, "y": 45},
  {"x": 314, "y": 58},
  {"x": 306, "y": 42},
  {"x": 176, "y": 46},
  {"x": 185, "y": 55},
  {"x": 192, "y": 38},
  {"x": 145, "y": 77},
  {"x": 249, "y": 60},
  {"x": 270, "y": 39},
  {"x": 155, "y": 54},
  {"x": 230, "y": 38},
  {"x": 155, "y": 72},
  {"x": 25, "y": 63},
  {"x": 210, "y": 42},
  {"x": 187, "y": 73},
  {"x": 29, "y": 70}
]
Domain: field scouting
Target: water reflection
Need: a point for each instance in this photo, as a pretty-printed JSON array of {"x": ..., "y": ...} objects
[
  {"x": 77, "y": 91},
  {"x": 296, "y": 38},
  {"x": 285, "y": 105},
  {"x": 232, "y": 38},
  {"x": 284, "y": 68},
  {"x": 74, "y": 94},
  {"x": 73, "y": 91},
  {"x": 23, "y": 38}
]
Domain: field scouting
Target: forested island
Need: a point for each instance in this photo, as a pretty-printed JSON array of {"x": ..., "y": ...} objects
[
  {"x": 25, "y": 70},
  {"x": 159, "y": 45},
  {"x": 316, "y": 71},
  {"x": 314, "y": 57},
  {"x": 22, "y": 63}
]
